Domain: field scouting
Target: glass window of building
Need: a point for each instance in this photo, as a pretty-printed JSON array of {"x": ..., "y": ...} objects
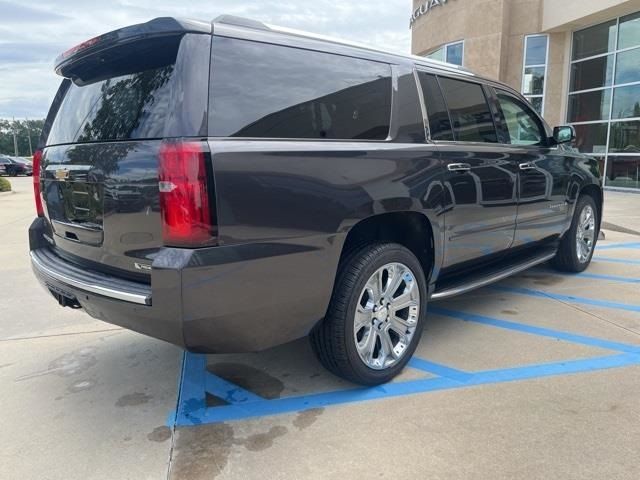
[
  {"x": 604, "y": 98},
  {"x": 534, "y": 71},
  {"x": 450, "y": 53}
]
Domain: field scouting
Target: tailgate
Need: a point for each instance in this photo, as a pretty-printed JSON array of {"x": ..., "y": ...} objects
[{"x": 121, "y": 98}]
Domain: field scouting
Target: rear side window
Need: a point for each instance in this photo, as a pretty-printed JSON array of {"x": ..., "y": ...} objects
[
  {"x": 270, "y": 91},
  {"x": 471, "y": 117},
  {"x": 439, "y": 121}
]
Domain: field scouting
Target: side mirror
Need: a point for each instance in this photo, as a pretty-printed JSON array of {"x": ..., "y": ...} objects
[{"x": 565, "y": 134}]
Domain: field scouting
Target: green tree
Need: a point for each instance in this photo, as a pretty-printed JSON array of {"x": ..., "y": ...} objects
[{"x": 24, "y": 130}]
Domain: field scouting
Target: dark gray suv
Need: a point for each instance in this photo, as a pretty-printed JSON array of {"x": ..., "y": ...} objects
[{"x": 230, "y": 186}]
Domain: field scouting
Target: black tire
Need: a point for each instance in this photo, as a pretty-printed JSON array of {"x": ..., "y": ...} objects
[
  {"x": 12, "y": 172},
  {"x": 333, "y": 340},
  {"x": 567, "y": 259}
]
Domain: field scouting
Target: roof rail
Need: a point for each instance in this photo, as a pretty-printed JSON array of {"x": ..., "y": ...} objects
[
  {"x": 257, "y": 25},
  {"x": 241, "y": 22}
]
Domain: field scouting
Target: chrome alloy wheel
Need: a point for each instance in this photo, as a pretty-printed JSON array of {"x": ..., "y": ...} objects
[
  {"x": 585, "y": 233},
  {"x": 386, "y": 316}
]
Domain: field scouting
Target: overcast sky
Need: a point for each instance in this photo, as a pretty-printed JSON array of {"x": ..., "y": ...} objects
[{"x": 33, "y": 33}]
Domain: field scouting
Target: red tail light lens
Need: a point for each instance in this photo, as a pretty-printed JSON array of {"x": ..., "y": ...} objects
[
  {"x": 37, "y": 159},
  {"x": 185, "y": 195}
]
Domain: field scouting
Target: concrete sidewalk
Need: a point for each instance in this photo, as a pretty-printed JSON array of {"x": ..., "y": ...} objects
[{"x": 621, "y": 212}]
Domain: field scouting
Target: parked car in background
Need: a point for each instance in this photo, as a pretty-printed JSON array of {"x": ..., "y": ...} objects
[
  {"x": 242, "y": 186},
  {"x": 14, "y": 166}
]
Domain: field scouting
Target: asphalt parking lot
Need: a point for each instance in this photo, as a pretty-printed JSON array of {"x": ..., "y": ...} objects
[{"x": 536, "y": 377}]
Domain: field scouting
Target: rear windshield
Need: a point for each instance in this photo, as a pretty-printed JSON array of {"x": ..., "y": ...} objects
[
  {"x": 121, "y": 95},
  {"x": 263, "y": 90},
  {"x": 129, "y": 106}
]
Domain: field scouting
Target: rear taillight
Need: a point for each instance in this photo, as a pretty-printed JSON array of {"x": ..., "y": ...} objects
[
  {"x": 186, "y": 197},
  {"x": 37, "y": 158}
]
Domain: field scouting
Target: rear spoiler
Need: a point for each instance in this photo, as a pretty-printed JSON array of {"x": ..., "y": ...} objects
[{"x": 158, "y": 27}]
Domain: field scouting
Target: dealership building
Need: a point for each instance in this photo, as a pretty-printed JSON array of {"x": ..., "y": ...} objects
[{"x": 577, "y": 61}]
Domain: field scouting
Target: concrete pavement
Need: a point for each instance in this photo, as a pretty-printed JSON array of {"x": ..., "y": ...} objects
[{"x": 84, "y": 399}]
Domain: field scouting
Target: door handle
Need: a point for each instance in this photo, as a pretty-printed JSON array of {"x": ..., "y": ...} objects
[
  {"x": 527, "y": 166},
  {"x": 459, "y": 167}
]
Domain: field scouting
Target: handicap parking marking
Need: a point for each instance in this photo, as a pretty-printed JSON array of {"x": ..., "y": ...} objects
[
  {"x": 567, "y": 298},
  {"x": 439, "y": 369},
  {"x": 241, "y": 404},
  {"x": 615, "y": 246},
  {"x": 628, "y": 261},
  {"x": 598, "y": 276},
  {"x": 538, "y": 331},
  {"x": 582, "y": 275}
]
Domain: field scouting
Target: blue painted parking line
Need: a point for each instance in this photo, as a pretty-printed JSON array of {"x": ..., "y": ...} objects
[
  {"x": 192, "y": 409},
  {"x": 616, "y": 260},
  {"x": 611, "y": 278},
  {"x": 614, "y": 246},
  {"x": 320, "y": 400},
  {"x": 439, "y": 370},
  {"x": 568, "y": 298},
  {"x": 539, "y": 331},
  {"x": 583, "y": 275}
]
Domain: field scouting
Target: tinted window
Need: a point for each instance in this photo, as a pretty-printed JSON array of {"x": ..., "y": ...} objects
[
  {"x": 629, "y": 31},
  {"x": 592, "y": 73},
  {"x": 263, "y": 90},
  {"x": 118, "y": 95},
  {"x": 594, "y": 40},
  {"x": 627, "y": 66},
  {"x": 522, "y": 124},
  {"x": 626, "y": 102},
  {"x": 584, "y": 107},
  {"x": 439, "y": 122},
  {"x": 129, "y": 106},
  {"x": 471, "y": 117}
]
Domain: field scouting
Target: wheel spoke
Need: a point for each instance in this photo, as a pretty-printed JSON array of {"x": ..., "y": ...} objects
[
  {"x": 400, "y": 325},
  {"x": 375, "y": 286},
  {"x": 405, "y": 299},
  {"x": 387, "y": 346},
  {"x": 393, "y": 282},
  {"x": 589, "y": 234},
  {"x": 363, "y": 317},
  {"x": 367, "y": 346}
]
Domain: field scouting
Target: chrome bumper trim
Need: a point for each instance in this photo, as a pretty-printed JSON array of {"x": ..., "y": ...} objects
[{"x": 50, "y": 266}]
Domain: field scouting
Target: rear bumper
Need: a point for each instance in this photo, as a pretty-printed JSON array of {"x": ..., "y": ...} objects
[
  {"x": 54, "y": 269},
  {"x": 215, "y": 300},
  {"x": 114, "y": 300}
]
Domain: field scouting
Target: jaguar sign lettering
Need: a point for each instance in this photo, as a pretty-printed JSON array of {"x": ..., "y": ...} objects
[{"x": 425, "y": 8}]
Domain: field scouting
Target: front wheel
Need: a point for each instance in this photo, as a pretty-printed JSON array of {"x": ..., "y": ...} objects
[
  {"x": 375, "y": 317},
  {"x": 578, "y": 244}
]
